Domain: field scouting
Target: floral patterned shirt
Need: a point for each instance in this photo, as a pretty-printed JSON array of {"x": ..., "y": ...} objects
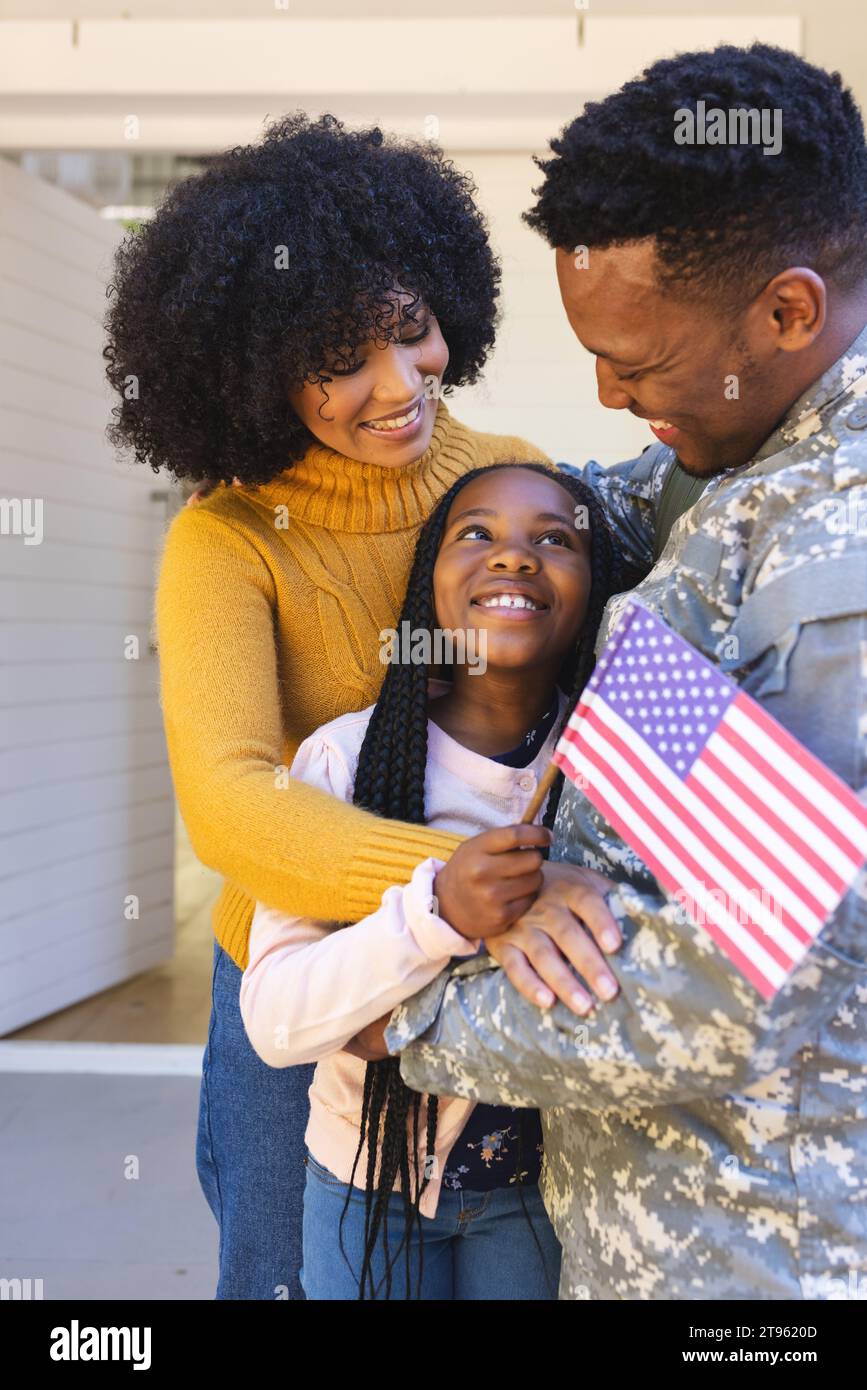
[{"x": 486, "y": 1154}]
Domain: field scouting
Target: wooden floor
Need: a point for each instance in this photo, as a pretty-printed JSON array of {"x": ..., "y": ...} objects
[{"x": 169, "y": 1004}]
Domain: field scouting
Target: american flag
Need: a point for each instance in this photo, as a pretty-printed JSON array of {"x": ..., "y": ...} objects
[{"x": 750, "y": 832}]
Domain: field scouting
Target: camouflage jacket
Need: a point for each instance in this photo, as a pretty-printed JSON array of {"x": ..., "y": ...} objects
[{"x": 700, "y": 1143}]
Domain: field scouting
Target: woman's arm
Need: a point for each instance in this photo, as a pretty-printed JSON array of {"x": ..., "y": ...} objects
[
  {"x": 309, "y": 988},
  {"x": 294, "y": 847}
]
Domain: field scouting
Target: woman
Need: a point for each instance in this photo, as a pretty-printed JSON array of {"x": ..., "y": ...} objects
[{"x": 289, "y": 321}]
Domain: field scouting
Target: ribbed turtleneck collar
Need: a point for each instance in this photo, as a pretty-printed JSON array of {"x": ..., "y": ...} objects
[{"x": 327, "y": 489}]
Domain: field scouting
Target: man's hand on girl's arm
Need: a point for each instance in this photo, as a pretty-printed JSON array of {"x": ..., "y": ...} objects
[
  {"x": 537, "y": 919},
  {"x": 566, "y": 925}
]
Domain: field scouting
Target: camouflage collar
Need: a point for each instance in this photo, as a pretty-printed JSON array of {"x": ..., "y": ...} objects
[{"x": 823, "y": 398}]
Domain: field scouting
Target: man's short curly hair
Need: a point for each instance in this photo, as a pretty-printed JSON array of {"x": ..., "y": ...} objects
[
  {"x": 725, "y": 218},
  {"x": 276, "y": 258}
]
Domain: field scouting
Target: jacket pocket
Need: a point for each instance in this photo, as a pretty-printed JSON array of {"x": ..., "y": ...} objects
[{"x": 770, "y": 620}]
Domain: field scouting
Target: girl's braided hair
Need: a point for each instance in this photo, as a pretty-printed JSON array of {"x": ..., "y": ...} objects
[{"x": 390, "y": 781}]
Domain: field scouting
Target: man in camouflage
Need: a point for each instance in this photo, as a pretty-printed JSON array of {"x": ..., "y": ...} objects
[{"x": 699, "y": 1142}]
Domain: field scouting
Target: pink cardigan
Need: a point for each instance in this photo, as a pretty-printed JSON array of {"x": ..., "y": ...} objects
[{"x": 309, "y": 988}]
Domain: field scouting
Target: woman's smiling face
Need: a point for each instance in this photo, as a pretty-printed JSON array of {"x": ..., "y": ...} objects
[
  {"x": 513, "y": 564},
  {"x": 380, "y": 407}
]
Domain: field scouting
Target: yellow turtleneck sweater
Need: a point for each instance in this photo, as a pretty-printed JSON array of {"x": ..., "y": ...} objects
[{"x": 267, "y": 625}]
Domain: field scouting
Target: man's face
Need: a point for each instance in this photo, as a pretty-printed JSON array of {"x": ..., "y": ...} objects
[{"x": 710, "y": 382}]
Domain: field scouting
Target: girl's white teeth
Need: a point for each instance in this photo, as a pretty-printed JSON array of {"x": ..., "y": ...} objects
[
  {"x": 395, "y": 424},
  {"x": 508, "y": 601},
  {"x": 662, "y": 425}
]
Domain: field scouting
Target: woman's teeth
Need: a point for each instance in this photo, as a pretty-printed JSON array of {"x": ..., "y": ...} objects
[
  {"x": 508, "y": 601},
  {"x": 661, "y": 424},
  {"x": 396, "y": 423}
]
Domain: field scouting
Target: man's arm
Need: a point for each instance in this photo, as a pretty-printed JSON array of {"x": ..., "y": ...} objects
[{"x": 685, "y": 1023}]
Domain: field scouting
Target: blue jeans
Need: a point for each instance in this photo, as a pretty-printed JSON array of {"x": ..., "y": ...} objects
[
  {"x": 478, "y": 1246},
  {"x": 250, "y": 1151}
]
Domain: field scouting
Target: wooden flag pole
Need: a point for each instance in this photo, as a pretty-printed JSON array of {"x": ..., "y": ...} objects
[{"x": 540, "y": 793}]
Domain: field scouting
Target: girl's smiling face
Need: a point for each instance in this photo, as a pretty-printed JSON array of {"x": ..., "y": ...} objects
[
  {"x": 513, "y": 564},
  {"x": 380, "y": 406}
]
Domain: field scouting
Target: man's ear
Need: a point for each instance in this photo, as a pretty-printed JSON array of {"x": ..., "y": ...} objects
[{"x": 792, "y": 308}]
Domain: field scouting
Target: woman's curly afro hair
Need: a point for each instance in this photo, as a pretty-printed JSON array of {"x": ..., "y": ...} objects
[
  {"x": 279, "y": 257},
  {"x": 725, "y": 218}
]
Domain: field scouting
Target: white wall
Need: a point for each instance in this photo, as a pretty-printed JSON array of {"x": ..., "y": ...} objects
[
  {"x": 86, "y": 809},
  {"x": 540, "y": 383}
]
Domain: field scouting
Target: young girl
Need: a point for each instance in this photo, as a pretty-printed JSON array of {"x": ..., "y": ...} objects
[
  {"x": 292, "y": 319},
  {"x": 502, "y": 558}
]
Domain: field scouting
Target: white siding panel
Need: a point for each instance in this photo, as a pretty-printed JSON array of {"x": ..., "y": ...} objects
[
  {"x": 113, "y": 833},
  {"x": 66, "y": 283},
  {"x": 25, "y": 305},
  {"x": 25, "y": 902},
  {"x": 539, "y": 382},
  {"x": 45, "y": 601},
  {"x": 87, "y": 814},
  {"x": 39, "y": 765},
  {"x": 54, "y": 806},
  {"x": 32, "y": 932},
  {"x": 52, "y": 981},
  {"x": 49, "y": 358},
  {"x": 31, "y": 458},
  {"x": 82, "y": 721}
]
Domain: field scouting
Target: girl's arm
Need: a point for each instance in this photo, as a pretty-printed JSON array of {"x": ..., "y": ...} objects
[
  {"x": 299, "y": 849},
  {"x": 309, "y": 987}
]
